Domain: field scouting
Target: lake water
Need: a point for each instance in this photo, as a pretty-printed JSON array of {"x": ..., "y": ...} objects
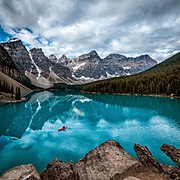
[{"x": 29, "y": 130}]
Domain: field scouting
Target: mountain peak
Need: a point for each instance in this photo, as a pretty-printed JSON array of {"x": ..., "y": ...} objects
[
  {"x": 63, "y": 57},
  {"x": 91, "y": 55},
  {"x": 146, "y": 58},
  {"x": 52, "y": 57},
  {"x": 37, "y": 51},
  {"x": 15, "y": 42},
  {"x": 115, "y": 57},
  {"x": 63, "y": 60},
  {"x": 93, "y": 52}
]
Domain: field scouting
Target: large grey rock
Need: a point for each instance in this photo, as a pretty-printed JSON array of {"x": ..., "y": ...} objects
[
  {"x": 171, "y": 172},
  {"x": 104, "y": 162},
  {"x": 57, "y": 170},
  {"x": 23, "y": 172},
  {"x": 172, "y": 152},
  {"x": 147, "y": 159},
  {"x": 136, "y": 172}
]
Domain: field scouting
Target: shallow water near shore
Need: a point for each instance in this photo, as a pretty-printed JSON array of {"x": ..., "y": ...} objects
[{"x": 29, "y": 130}]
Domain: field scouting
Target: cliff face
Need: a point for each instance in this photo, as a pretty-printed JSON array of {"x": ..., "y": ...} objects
[
  {"x": 46, "y": 65},
  {"x": 7, "y": 65},
  {"x": 19, "y": 54},
  {"x": 9, "y": 68}
]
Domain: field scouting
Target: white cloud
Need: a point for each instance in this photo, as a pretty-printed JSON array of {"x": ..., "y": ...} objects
[{"x": 73, "y": 27}]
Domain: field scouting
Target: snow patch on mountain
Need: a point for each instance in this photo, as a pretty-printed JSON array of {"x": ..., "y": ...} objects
[
  {"x": 37, "y": 68},
  {"x": 126, "y": 67},
  {"x": 77, "y": 66}
]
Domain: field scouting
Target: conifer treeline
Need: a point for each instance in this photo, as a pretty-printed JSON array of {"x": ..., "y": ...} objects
[
  {"x": 160, "y": 81},
  {"x": 7, "y": 88}
]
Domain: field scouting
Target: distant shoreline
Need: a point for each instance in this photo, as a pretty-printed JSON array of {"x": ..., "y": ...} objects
[
  {"x": 127, "y": 94},
  {"x": 6, "y": 98}
]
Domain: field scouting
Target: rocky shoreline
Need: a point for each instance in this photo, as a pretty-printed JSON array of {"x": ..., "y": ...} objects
[{"x": 107, "y": 161}]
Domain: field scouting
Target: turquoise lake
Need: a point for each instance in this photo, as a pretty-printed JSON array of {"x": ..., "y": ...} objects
[{"x": 29, "y": 130}]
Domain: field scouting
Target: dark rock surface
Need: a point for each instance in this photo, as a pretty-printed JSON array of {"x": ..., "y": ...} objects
[
  {"x": 171, "y": 172},
  {"x": 59, "y": 171},
  {"x": 9, "y": 67},
  {"x": 23, "y": 172},
  {"x": 147, "y": 159},
  {"x": 104, "y": 162},
  {"x": 137, "y": 172},
  {"x": 150, "y": 163},
  {"x": 172, "y": 152},
  {"x": 90, "y": 65},
  {"x": 19, "y": 54},
  {"x": 53, "y": 58},
  {"x": 63, "y": 60},
  {"x": 45, "y": 64}
]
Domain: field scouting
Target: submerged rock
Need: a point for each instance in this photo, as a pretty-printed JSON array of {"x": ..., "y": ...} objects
[
  {"x": 172, "y": 152},
  {"x": 104, "y": 162},
  {"x": 22, "y": 172},
  {"x": 57, "y": 170}
]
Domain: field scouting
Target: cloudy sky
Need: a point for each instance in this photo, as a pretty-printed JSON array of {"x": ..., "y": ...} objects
[{"x": 74, "y": 27}]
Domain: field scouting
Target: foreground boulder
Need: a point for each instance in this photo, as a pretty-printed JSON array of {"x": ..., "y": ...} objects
[
  {"x": 138, "y": 172},
  {"x": 147, "y": 159},
  {"x": 150, "y": 163},
  {"x": 172, "y": 152},
  {"x": 23, "y": 172},
  {"x": 104, "y": 162},
  {"x": 57, "y": 170}
]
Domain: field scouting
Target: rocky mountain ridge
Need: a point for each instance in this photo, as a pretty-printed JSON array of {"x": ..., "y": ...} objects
[
  {"x": 35, "y": 66},
  {"x": 91, "y": 66},
  {"x": 44, "y": 72},
  {"x": 107, "y": 161}
]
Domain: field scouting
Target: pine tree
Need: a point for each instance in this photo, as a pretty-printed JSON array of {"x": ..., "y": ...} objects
[
  {"x": 18, "y": 93},
  {"x": 12, "y": 90}
]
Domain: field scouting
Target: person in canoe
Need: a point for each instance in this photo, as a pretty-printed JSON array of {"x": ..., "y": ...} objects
[{"x": 62, "y": 128}]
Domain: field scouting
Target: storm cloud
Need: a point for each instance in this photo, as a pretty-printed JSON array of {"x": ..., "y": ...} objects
[{"x": 74, "y": 27}]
